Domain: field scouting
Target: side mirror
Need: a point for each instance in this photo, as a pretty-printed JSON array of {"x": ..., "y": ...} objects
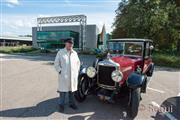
[{"x": 151, "y": 47}]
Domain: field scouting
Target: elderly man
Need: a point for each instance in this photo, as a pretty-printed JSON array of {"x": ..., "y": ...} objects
[{"x": 67, "y": 65}]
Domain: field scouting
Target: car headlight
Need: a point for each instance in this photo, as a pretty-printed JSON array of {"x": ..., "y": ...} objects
[
  {"x": 91, "y": 72},
  {"x": 116, "y": 76}
]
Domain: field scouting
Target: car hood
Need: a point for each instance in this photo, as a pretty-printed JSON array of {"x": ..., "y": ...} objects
[{"x": 129, "y": 62}]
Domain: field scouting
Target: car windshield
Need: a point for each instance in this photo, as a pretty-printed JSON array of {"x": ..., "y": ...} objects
[{"x": 126, "y": 48}]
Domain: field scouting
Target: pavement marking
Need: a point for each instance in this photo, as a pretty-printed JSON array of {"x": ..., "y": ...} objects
[
  {"x": 167, "y": 114},
  {"x": 155, "y": 104},
  {"x": 153, "y": 89},
  {"x": 4, "y": 59},
  {"x": 8, "y": 57}
]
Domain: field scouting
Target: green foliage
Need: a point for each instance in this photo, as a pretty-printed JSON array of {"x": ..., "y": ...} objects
[
  {"x": 101, "y": 55},
  {"x": 17, "y": 49},
  {"x": 154, "y": 19},
  {"x": 167, "y": 60}
]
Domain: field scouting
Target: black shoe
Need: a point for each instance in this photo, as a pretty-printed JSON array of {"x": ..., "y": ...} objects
[
  {"x": 61, "y": 108},
  {"x": 73, "y": 106}
]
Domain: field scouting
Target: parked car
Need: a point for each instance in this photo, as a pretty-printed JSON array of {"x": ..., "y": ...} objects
[{"x": 123, "y": 71}]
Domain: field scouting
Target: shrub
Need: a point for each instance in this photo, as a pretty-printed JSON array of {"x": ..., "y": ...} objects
[
  {"x": 167, "y": 60},
  {"x": 17, "y": 49}
]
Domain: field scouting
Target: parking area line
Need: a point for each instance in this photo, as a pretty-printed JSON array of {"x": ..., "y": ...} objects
[
  {"x": 156, "y": 90},
  {"x": 167, "y": 114}
]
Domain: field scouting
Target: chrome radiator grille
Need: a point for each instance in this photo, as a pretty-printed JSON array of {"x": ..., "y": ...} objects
[{"x": 104, "y": 75}]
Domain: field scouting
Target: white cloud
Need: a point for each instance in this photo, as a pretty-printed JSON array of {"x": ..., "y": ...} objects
[
  {"x": 100, "y": 19},
  {"x": 71, "y": 4},
  {"x": 17, "y": 24},
  {"x": 12, "y": 3},
  {"x": 23, "y": 23},
  {"x": 41, "y": 15}
]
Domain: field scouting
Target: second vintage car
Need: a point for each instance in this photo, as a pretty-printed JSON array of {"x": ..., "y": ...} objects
[{"x": 123, "y": 71}]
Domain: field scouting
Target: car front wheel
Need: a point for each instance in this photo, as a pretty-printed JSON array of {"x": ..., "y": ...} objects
[
  {"x": 134, "y": 102},
  {"x": 83, "y": 88}
]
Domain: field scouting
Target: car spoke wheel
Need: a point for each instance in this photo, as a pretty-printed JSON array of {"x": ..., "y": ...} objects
[
  {"x": 134, "y": 102},
  {"x": 83, "y": 88}
]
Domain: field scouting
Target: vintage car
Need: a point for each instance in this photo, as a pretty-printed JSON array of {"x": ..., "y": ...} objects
[{"x": 123, "y": 72}]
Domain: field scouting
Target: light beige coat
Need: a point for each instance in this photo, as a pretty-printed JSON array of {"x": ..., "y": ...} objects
[{"x": 67, "y": 64}]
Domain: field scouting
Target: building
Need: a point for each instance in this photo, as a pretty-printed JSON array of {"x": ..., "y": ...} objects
[
  {"x": 50, "y": 37},
  {"x": 14, "y": 41}
]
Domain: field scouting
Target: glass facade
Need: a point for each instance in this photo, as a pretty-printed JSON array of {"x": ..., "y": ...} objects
[{"x": 53, "y": 39}]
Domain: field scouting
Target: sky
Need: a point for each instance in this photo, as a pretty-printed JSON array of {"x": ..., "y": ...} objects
[{"x": 19, "y": 16}]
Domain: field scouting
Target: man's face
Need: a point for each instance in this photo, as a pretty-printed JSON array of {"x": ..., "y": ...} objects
[{"x": 68, "y": 45}]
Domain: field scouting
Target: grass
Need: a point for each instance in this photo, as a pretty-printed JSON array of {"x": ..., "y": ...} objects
[{"x": 167, "y": 60}]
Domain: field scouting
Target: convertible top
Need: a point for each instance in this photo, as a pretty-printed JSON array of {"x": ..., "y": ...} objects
[{"x": 130, "y": 40}]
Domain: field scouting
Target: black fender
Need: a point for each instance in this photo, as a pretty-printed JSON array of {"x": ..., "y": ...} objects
[
  {"x": 82, "y": 70},
  {"x": 135, "y": 80},
  {"x": 150, "y": 70},
  {"x": 79, "y": 94}
]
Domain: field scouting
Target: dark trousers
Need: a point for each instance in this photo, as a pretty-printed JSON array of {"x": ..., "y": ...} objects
[{"x": 61, "y": 100}]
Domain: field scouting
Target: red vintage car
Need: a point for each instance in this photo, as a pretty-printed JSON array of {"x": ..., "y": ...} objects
[{"x": 123, "y": 71}]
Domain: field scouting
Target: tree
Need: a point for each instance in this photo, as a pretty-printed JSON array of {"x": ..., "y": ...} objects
[{"x": 153, "y": 19}]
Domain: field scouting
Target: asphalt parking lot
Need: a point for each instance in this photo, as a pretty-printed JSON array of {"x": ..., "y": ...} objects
[{"x": 29, "y": 83}]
